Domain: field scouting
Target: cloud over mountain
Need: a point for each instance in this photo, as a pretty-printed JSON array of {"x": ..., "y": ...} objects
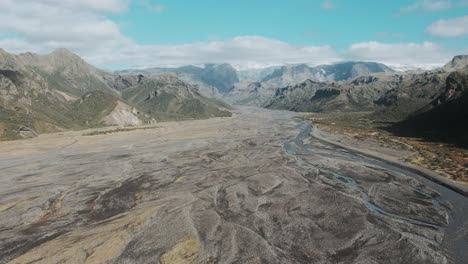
[{"x": 87, "y": 27}]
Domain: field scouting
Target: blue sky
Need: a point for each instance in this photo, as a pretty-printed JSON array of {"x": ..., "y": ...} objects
[
  {"x": 298, "y": 22},
  {"x": 249, "y": 34}
]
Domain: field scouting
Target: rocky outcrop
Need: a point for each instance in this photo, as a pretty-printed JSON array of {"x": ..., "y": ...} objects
[{"x": 122, "y": 115}]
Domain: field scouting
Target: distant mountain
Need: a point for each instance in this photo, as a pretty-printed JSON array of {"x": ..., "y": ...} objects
[
  {"x": 216, "y": 80},
  {"x": 248, "y": 93},
  {"x": 428, "y": 104},
  {"x": 290, "y": 75},
  {"x": 394, "y": 95},
  {"x": 60, "y": 91},
  {"x": 255, "y": 75},
  {"x": 212, "y": 79}
]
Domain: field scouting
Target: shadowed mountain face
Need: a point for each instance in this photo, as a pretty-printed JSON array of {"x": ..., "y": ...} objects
[
  {"x": 445, "y": 118},
  {"x": 60, "y": 91}
]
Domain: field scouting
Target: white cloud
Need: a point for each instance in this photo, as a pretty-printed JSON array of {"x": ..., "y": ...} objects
[
  {"x": 425, "y": 55},
  {"x": 47, "y": 24},
  {"x": 328, "y": 5},
  {"x": 455, "y": 27},
  {"x": 242, "y": 52},
  {"x": 428, "y": 6},
  {"x": 84, "y": 27}
]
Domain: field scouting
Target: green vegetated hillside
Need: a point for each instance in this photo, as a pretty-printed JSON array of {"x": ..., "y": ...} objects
[{"x": 60, "y": 91}]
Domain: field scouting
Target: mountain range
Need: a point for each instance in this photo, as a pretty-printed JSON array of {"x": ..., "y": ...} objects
[
  {"x": 211, "y": 79},
  {"x": 60, "y": 91},
  {"x": 217, "y": 80},
  {"x": 429, "y": 104}
]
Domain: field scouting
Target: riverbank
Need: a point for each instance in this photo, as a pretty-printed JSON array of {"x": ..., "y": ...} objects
[
  {"x": 343, "y": 143},
  {"x": 356, "y": 130}
]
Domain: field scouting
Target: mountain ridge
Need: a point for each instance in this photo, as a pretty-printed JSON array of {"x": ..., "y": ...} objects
[{"x": 60, "y": 91}]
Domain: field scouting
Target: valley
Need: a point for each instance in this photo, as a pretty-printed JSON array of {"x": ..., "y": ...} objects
[
  {"x": 233, "y": 132},
  {"x": 310, "y": 165},
  {"x": 256, "y": 187}
]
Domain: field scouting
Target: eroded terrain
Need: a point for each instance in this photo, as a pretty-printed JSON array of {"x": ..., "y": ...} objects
[{"x": 254, "y": 188}]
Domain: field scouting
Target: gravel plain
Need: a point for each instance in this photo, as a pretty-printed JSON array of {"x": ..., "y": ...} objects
[{"x": 253, "y": 188}]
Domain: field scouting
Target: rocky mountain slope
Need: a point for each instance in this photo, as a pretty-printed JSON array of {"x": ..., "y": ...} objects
[
  {"x": 60, "y": 91},
  {"x": 445, "y": 118}
]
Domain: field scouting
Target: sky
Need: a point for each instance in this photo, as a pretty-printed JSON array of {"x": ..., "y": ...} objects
[{"x": 119, "y": 34}]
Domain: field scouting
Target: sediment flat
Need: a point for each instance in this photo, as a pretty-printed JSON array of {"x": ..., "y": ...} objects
[{"x": 253, "y": 188}]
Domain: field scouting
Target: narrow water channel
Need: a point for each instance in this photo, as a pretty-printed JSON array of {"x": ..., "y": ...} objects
[{"x": 455, "y": 241}]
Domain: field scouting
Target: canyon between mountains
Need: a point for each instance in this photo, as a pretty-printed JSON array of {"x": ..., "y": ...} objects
[{"x": 256, "y": 187}]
